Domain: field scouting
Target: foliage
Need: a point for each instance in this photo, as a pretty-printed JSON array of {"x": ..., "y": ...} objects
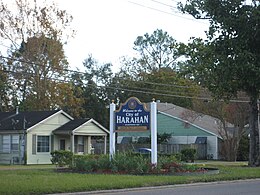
[
  {"x": 163, "y": 138},
  {"x": 164, "y": 84},
  {"x": 154, "y": 72},
  {"x": 231, "y": 119},
  {"x": 229, "y": 60},
  {"x": 61, "y": 158},
  {"x": 36, "y": 81},
  {"x": 24, "y": 19},
  {"x": 4, "y": 87},
  {"x": 36, "y": 60},
  {"x": 126, "y": 163},
  {"x": 188, "y": 154},
  {"x": 91, "y": 163},
  {"x": 243, "y": 149},
  {"x": 70, "y": 99},
  {"x": 154, "y": 51},
  {"x": 158, "y": 50},
  {"x": 93, "y": 84}
]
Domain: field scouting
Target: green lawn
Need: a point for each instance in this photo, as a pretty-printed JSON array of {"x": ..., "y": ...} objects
[{"x": 44, "y": 179}]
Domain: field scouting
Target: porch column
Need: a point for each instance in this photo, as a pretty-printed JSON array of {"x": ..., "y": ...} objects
[
  {"x": 89, "y": 145},
  {"x": 105, "y": 144},
  {"x": 72, "y": 143}
]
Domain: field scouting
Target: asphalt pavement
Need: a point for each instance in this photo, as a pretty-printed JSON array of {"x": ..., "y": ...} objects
[{"x": 236, "y": 187}]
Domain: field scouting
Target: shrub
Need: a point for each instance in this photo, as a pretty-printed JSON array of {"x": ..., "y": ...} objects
[
  {"x": 87, "y": 163},
  {"x": 243, "y": 149},
  {"x": 130, "y": 163},
  {"x": 61, "y": 158},
  {"x": 104, "y": 162},
  {"x": 188, "y": 154},
  {"x": 127, "y": 163}
]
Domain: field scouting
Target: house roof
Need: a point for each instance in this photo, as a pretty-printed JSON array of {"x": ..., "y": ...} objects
[
  {"x": 71, "y": 126},
  {"x": 180, "y": 121},
  {"x": 202, "y": 121},
  {"x": 22, "y": 120},
  {"x": 13, "y": 122}
]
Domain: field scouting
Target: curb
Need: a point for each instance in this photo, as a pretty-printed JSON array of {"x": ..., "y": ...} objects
[{"x": 155, "y": 187}]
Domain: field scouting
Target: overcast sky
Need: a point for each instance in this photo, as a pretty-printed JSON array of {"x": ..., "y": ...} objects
[{"x": 107, "y": 29}]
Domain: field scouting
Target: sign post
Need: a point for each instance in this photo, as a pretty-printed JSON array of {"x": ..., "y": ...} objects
[
  {"x": 134, "y": 116},
  {"x": 154, "y": 132},
  {"x": 112, "y": 136}
]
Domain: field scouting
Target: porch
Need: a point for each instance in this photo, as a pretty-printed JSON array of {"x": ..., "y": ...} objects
[
  {"x": 80, "y": 137},
  {"x": 80, "y": 144}
]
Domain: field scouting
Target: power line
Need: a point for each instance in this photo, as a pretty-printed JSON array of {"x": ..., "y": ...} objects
[
  {"x": 160, "y": 84},
  {"x": 83, "y": 73},
  {"x": 164, "y": 93},
  {"x": 131, "y": 89},
  {"x": 148, "y": 90},
  {"x": 135, "y": 91},
  {"x": 164, "y": 4},
  {"x": 165, "y": 12}
]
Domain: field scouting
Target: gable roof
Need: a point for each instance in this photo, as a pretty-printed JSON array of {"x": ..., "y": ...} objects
[
  {"x": 204, "y": 122},
  {"x": 71, "y": 126},
  {"x": 23, "y": 120}
]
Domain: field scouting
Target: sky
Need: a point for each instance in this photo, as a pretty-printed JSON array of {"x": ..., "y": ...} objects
[{"x": 107, "y": 29}]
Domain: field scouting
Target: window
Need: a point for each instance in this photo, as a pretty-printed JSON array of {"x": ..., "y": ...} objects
[
  {"x": 15, "y": 143},
  {"x": 80, "y": 144},
  {"x": 43, "y": 143},
  {"x": 62, "y": 144},
  {"x": 6, "y": 143},
  {"x": 9, "y": 143}
]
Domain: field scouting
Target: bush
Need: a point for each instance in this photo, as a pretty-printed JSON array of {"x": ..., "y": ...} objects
[
  {"x": 61, "y": 158},
  {"x": 243, "y": 149},
  {"x": 87, "y": 163},
  {"x": 188, "y": 155},
  {"x": 130, "y": 163},
  {"x": 127, "y": 163}
]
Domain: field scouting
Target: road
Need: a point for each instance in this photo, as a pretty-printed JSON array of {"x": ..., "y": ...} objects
[{"x": 242, "y": 187}]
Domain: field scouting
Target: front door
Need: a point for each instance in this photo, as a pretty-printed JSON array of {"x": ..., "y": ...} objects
[{"x": 62, "y": 144}]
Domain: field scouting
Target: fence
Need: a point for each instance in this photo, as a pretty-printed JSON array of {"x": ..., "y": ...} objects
[
  {"x": 162, "y": 148},
  {"x": 166, "y": 148}
]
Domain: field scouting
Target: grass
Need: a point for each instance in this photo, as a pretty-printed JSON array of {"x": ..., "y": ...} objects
[{"x": 44, "y": 179}]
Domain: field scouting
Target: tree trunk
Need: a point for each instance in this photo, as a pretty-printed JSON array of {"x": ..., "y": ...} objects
[{"x": 254, "y": 151}]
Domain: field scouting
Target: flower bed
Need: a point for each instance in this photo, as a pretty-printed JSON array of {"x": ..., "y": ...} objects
[{"x": 129, "y": 163}]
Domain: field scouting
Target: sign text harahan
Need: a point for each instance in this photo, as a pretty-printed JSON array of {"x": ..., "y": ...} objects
[{"x": 132, "y": 116}]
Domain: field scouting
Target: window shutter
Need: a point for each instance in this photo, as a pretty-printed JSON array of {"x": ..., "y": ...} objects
[
  {"x": 52, "y": 143},
  {"x": 1, "y": 143},
  {"x": 33, "y": 144}
]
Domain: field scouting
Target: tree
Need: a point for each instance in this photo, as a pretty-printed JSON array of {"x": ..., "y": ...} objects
[
  {"x": 36, "y": 62},
  {"x": 164, "y": 84},
  {"x": 4, "y": 88},
  {"x": 229, "y": 60},
  {"x": 25, "y": 19},
  {"x": 163, "y": 138},
  {"x": 155, "y": 51},
  {"x": 37, "y": 68},
  {"x": 153, "y": 73},
  {"x": 231, "y": 120},
  {"x": 95, "y": 81}
]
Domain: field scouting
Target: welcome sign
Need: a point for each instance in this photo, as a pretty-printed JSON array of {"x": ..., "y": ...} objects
[{"x": 132, "y": 116}]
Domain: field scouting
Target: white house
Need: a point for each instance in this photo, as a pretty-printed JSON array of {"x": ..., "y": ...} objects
[{"x": 29, "y": 137}]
